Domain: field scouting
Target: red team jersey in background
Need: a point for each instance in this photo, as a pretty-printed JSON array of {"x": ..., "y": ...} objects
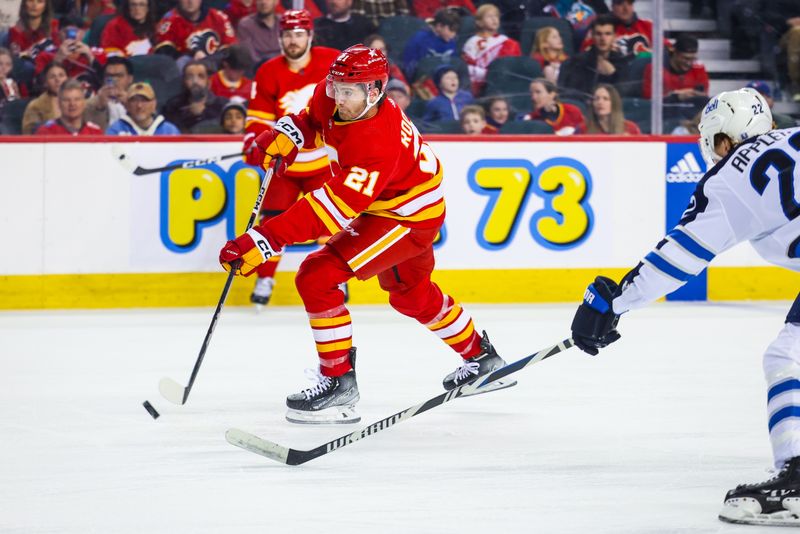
[
  {"x": 633, "y": 38},
  {"x": 279, "y": 91},
  {"x": 227, "y": 89},
  {"x": 56, "y": 127},
  {"x": 695, "y": 78},
  {"x": 29, "y": 44},
  {"x": 119, "y": 39},
  {"x": 208, "y": 35},
  {"x": 381, "y": 166}
]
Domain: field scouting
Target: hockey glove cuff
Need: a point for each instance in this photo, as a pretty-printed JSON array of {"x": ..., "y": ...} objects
[
  {"x": 285, "y": 140},
  {"x": 595, "y": 322},
  {"x": 245, "y": 253}
]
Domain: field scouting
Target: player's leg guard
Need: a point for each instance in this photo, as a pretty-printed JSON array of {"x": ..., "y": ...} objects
[
  {"x": 317, "y": 283},
  {"x": 412, "y": 293}
]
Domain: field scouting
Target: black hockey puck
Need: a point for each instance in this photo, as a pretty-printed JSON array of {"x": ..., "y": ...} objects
[{"x": 152, "y": 411}]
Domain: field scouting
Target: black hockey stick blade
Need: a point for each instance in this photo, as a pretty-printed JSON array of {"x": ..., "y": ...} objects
[{"x": 289, "y": 456}]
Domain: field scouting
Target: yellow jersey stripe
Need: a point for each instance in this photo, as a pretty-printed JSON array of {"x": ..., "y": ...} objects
[
  {"x": 326, "y": 219},
  {"x": 261, "y": 114},
  {"x": 433, "y": 183},
  {"x": 378, "y": 247},
  {"x": 339, "y": 203},
  {"x": 468, "y": 331},
  {"x": 448, "y": 319},
  {"x": 330, "y": 321},
  {"x": 336, "y": 345},
  {"x": 430, "y": 212}
]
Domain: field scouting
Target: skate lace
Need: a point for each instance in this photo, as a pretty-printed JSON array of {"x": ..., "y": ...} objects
[
  {"x": 322, "y": 383},
  {"x": 469, "y": 368}
]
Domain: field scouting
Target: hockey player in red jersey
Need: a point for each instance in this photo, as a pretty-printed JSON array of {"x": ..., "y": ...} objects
[
  {"x": 284, "y": 85},
  {"x": 384, "y": 206},
  {"x": 193, "y": 29}
]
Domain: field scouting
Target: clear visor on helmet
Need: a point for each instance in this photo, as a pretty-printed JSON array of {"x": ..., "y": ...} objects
[{"x": 344, "y": 92}]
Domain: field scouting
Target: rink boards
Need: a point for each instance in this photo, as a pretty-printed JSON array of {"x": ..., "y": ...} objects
[{"x": 529, "y": 219}]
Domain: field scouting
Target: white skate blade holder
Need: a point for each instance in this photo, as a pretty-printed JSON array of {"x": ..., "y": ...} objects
[
  {"x": 333, "y": 415},
  {"x": 748, "y": 512},
  {"x": 503, "y": 383}
]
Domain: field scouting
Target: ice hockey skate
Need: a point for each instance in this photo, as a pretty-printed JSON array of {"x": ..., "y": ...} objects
[
  {"x": 262, "y": 292},
  {"x": 330, "y": 401},
  {"x": 775, "y": 502},
  {"x": 487, "y": 361}
]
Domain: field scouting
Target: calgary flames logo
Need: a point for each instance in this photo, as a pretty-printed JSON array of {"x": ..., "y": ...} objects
[
  {"x": 297, "y": 100},
  {"x": 204, "y": 41}
]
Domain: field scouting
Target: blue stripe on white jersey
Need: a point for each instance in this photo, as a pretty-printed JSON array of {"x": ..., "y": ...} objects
[
  {"x": 690, "y": 243},
  {"x": 663, "y": 265},
  {"x": 783, "y": 401}
]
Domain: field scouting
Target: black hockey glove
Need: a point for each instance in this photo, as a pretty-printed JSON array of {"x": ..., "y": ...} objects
[{"x": 595, "y": 322}]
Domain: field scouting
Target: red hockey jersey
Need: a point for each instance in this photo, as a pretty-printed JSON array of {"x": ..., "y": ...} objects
[
  {"x": 381, "y": 166},
  {"x": 695, "y": 78},
  {"x": 212, "y": 32},
  {"x": 225, "y": 88},
  {"x": 28, "y": 44},
  {"x": 631, "y": 39},
  {"x": 278, "y": 91},
  {"x": 119, "y": 39},
  {"x": 56, "y": 127}
]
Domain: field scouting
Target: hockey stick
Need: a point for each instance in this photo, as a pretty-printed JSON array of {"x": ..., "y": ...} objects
[
  {"x": 126, "y": 161},
  {"x": 289, "y": 456},
  {"x": 170, "y": 389}
]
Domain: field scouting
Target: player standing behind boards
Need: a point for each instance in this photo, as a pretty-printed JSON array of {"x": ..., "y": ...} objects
[
  {"x": 749, "y": 194},
  {"x": 384, "y": 206},
  {"x": 284, "y": 85}
]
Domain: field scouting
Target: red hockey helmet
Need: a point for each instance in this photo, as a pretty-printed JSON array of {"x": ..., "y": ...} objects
[
  {"x": 296, "y": 19},
  {"x": 360, "y": 64}
]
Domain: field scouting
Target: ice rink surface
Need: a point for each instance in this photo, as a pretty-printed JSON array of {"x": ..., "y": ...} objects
[{"x": 644, "y": 439}]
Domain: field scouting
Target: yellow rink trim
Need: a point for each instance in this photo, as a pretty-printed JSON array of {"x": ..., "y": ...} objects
[{"x": 489, "y": 286}]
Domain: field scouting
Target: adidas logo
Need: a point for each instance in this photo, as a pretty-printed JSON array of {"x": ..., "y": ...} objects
[{"x": 687, "y": 170}]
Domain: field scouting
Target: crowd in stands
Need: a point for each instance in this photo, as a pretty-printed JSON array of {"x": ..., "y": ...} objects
[{"x": 164, "y": 67}]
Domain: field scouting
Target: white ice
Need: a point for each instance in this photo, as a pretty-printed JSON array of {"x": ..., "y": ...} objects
[{"x": 644, "y": 439}]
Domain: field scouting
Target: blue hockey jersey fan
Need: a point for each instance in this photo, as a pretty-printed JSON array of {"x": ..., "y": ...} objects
[{"x": 750, "y": 194}]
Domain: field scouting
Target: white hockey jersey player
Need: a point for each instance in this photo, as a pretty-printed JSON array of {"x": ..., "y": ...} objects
[{"x": 750, "y": 194}]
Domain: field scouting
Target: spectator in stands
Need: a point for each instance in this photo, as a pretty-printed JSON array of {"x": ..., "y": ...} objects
[
  {"x": 341, "y": 28},
  {"x": 133, "y": 31},
  {"x": 230, "y": 80},
  {"x": 486, "y": 45},
  {"x": 783, "y": 18},
  {"x": 193, "y": 30},
  {"x": 600, "y": 64},
  {"x": 35, "y": 30},
  {"x": 9, "y": 90},
  {"x": 440, "y": 41},
  {"x": 108, "y": 104},
  {"x": 565, "y": 119},
  {"x": 239, "y": 9},
  {"x": 233, "y": 117},
  {"x": 781, "y": 121},
  {"x": 377, "y": 10},
  {"x": 196, "y": 103},
  {"x": 71, "y": 104},
  {"x": 548, "y": 50},
  {"x": 377, "y": 41},
  {"x": 45, "y": 106},
  {"x": 259, "y": 33},
  {"x": 76, "y": 56},
  {"x": 634, "y": 36},
  {"x": 497, "y": 111},
  {"x": 685, "y": 80},
  {"x": 427, "y": 9},
  {"x": 140, "y": 116},
  {"x": 473, "y": 121},
  {"x": 451, "y": 99},
  {"x": 398, "y": 91},
  {"x": 606, "y": 116}
]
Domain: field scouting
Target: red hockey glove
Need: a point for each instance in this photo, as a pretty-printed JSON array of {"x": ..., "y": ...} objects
[
  {"x": 245, "y": 253},
  {"x": 284, "y": 140},
  {"x": 253, "y": 155}
]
